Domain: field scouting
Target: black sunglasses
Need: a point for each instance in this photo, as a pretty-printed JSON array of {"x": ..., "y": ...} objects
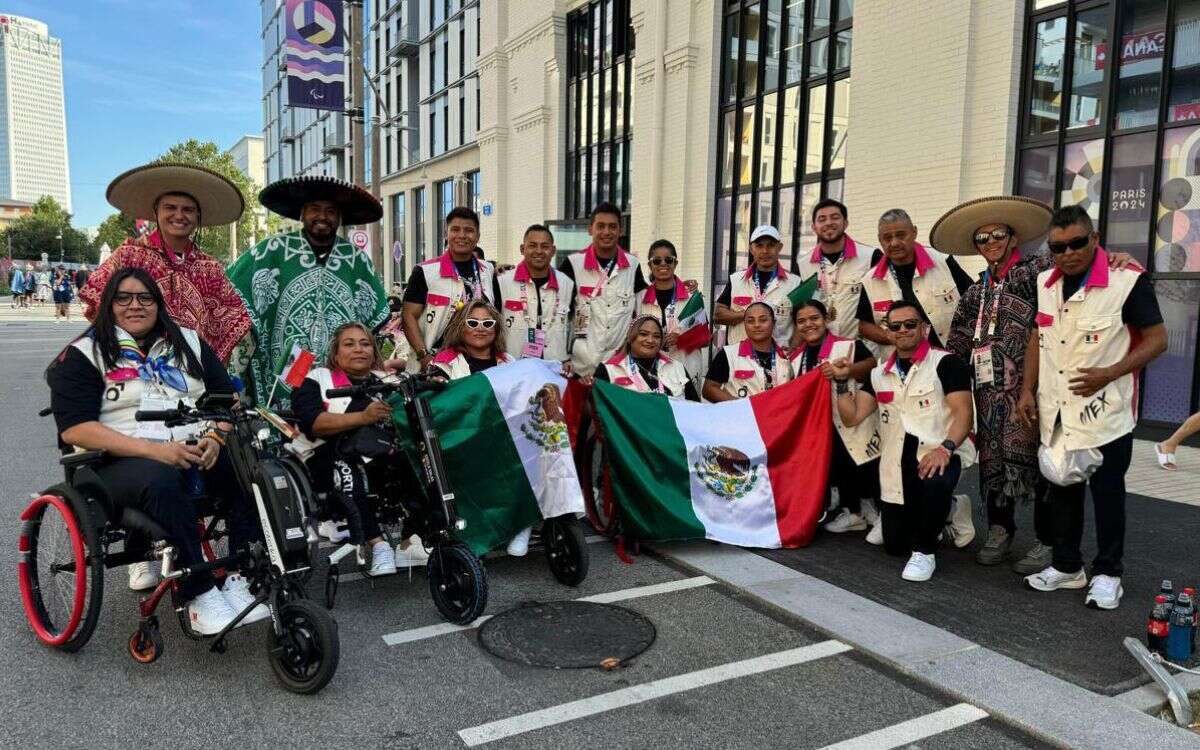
[
  {"x": 908, "y": 325},
  {"x": 124, "y": 299},
  {"x": 1077, "y": 243},
  {"x": 662, "y": 261},
  {"x": 999, "y": 235}
]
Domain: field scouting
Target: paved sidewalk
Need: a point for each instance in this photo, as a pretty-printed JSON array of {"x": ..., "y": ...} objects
[
  {"x": 1147, "y": 478},
  {"x": 36, "y": 314}
]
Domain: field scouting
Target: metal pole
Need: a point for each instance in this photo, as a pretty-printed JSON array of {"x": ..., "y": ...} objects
[{"x": 359, "y": 176}]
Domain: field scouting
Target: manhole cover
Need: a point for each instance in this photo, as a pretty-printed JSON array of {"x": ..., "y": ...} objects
[{"x": 567, "y": 635}]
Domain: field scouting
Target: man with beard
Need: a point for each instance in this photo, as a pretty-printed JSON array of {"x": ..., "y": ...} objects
[
  {"x": 300, "y": 286},
  {"x": 839, "y": 264}
]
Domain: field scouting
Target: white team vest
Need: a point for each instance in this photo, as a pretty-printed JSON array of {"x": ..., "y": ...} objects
[
  {"x": 325, "y": 378},
  {"x": 839, "y": 284},
  {"x": 915, "y": 406},
  {"x": 933, "y": 287},
  {"x": 1084, "y": 331},
  {"x": 446, "y": 290},
  {"x": 521, "y": 308},
  {"x": 648, "y": 305},
  {"x": 454, "y": 363},
  {"x": 123, "y": 395},
  {"x": 671, "y": 375},
  {"x": 862, "y": 441},
  {"x": 746, "y": 375},
  {"x": 603, "y": 308},
  {"x": 743, "y": 291}
]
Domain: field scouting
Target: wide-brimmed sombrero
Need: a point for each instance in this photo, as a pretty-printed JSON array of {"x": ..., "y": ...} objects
[
  {"x": 288, "y": 196},
  {"x": 133, "y": 193},
  {"x": 954, "y": 232}
]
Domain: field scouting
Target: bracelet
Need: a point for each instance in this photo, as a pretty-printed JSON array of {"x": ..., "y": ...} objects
[{"x": 215, "y": 436}]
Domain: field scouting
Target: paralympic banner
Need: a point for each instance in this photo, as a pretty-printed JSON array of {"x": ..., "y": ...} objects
[
  {"x": 751, "y": 472},
  {"x": 315, "y": 54},
  {"x": 507, "y": 449}
]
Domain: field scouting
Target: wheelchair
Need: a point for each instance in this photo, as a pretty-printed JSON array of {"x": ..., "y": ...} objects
[{"x": 73, "y": 532}]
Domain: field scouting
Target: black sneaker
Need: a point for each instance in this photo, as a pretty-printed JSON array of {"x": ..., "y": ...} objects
[{"x": 997, "y": 548}]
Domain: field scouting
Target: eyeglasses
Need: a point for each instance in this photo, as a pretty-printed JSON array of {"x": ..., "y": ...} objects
[
  {"x": 999, "y": 235},
  {"x": 908, "y": 325},
  {"x": 662, "y": 261},
  {"x": 486, "y": 324},
  {"x": 1076, "y": 243},
  {"x": 124, "y": 299}
]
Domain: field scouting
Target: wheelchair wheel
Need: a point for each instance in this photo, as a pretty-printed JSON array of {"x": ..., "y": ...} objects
[
  {"x": 566, "y": 549},
  {"x": 598, "y": 490},
  {"x": 304, "y": 655},
  {"x": 146, "y": 643},
  {"x": 457, "y": 583},
  {"x": 60, "y": 570}
]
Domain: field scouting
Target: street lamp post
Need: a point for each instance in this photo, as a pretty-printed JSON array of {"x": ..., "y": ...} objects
[{"x": 61, "y": 254}]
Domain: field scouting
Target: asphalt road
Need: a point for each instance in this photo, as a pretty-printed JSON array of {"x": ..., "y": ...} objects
[{"x": 724, "y": 671}]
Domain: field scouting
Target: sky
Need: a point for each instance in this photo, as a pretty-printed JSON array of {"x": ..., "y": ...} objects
[{"x": 142, "y": 75}]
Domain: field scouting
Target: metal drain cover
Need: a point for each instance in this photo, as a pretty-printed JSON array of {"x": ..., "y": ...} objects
[{"x": 567, "y": 635}]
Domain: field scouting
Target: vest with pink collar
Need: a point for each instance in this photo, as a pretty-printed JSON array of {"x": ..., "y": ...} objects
[
  {"x": 839, "y": 284},
  {"x": 693, "y": 362},
  {"x": 747, "y": 377},
  {"x": 862, "y": 440},
  {"x": 604, "y": 307},
  {"x": 454, "y": 363},
  {"x": 933, "y": 286},
  {"x": 520, "y": 313},
  {"x": 302, "y": 445},
  {"x": 743, "y": 291},
  {"x": 446, "y": 291},
  {"x": 671, "y": 375}
]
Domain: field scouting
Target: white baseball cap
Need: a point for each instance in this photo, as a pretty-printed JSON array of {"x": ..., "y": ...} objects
[{"x": 766, "y": 230}]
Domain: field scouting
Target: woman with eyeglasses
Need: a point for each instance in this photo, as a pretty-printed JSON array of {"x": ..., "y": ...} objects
[
  {"x": 665, "y": 298},
  {"x": 328, "y": 426},
  {"x": 642, "y": 364},
  {"x": 134, "y": 357},
  {"x": 753, "y": 365}
]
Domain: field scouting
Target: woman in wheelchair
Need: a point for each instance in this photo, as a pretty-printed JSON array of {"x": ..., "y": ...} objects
[
  {"x": 353, "y": 359},
  {"x": 135, "y": 358}
]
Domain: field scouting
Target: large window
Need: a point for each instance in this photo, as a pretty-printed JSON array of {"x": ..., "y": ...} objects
[
  {"x": 785, "y": 111},
  {"x": 1111, "y": 121},
  {"x": 474, "y": 189},
  {"x": 444, "y": 190},
  {"x": 599, "y": 88},
  {"x": 397, "y": 248},
  {"x": 420, "y": 252}
]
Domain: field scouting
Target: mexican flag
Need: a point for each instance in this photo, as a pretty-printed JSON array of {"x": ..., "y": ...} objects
[
  {"x": 506, "y": 448},
  {"x": 694, "y": 332},
  {"x": 750, "y": 472},
  {"x": 803, "y": 293}
]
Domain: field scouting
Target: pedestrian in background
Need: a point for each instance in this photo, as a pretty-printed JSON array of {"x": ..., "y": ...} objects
[
  {"x": 30, "y": 284},
  {"x": 44, "y": 286},
  {"x": 16, "y": 285},
  {"x": 1165, "y": 451},
  {"x": 63, "y": 292}
]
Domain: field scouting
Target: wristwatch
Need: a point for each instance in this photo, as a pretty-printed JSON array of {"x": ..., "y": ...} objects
[{"x": 949, "y": 445}]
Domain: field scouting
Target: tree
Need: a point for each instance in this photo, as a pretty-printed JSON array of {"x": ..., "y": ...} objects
[
  {"x": 37, "y": 233},
  {"x": 215, "y": 240},
  {"x": 114, "y": 231}
]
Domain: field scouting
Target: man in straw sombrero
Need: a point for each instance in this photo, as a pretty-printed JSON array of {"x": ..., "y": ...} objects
[
  {"x": 179, "y": 199},
  {"x": 300, "y": 286},
  {"x": 990, "y": 331}
]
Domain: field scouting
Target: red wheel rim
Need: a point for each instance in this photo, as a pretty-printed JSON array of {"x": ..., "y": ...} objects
[{"x": 31, "y": 608}]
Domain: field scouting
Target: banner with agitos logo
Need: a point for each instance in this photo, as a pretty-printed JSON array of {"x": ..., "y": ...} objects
[{"x": 315, "y": 54}]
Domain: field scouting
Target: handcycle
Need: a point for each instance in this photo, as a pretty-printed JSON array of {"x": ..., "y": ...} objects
[{"x": 69, "y": 532}]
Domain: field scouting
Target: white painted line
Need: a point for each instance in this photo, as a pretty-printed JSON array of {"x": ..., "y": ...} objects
[
  {"x": 912, "y": 730},
  {"x": 445, "y": 628},
  {"x": 636, "y": 694}
]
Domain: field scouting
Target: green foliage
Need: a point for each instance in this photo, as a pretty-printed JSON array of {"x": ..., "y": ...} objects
[
  {"x": 30, "y": 236},
  {"x": 113, "y": 231}
]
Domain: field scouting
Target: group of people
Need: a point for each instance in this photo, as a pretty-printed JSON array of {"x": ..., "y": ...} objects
[{"x": 29, "y": 286}]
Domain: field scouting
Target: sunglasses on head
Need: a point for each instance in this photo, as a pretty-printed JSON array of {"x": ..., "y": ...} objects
[
  {"x": 486, "y": 324},
  {"x": 1076, "y": 243},
  {"x": 124, "y": 299},
  {"x": 908, "y": 325},
  {"x": 662, "y": 261},
  {"x": 999, "y": 235}
]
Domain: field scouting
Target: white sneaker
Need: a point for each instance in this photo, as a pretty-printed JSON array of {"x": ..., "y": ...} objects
[
  {"x": 237, "y": 592},
  {"x": 330, "y": 530},
  {"x": 1051, "y": 579},
  {"x": 519, "y": 545},
  {"x": 412, "y": 556},
  {"x": 846, "y": 521},
  {"x": 1105, "y": 592},
  {"x": 210, "y": 613},
  {"x": 875, "y": 535},
  {"x": 143, "y": 576},
  {"x": 383, "y": 559},
  {"x": 960, "y": 526},
  {"x": 920, "y": 567},
  {"x": 869, "y": 511}
]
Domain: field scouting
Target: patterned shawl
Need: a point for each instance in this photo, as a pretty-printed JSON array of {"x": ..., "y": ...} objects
[
  {"x": 198, "y": 294},
  {"x": 294, "y": 299}
]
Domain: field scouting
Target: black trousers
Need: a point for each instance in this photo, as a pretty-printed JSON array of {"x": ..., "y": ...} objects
[
  {"x": 915, "y": 525},
  {"x": 158, "y": 490},
  {"x": 345, "y": 481},
  {"x": 853, "y": 482},
  {"x": 1043, "y": 517},
  {"x": 1108, "y": 501}
]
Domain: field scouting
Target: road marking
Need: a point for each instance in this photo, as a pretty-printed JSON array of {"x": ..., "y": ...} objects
[
  {"x": 636, "y": 694},
  {"x": 445, "y": 628},
  {"x": 912, "y": 730},
  {"x": 358, "y": 575}
]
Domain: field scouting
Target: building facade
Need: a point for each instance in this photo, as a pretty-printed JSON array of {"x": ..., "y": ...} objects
[{"x": 33, "y": 125}]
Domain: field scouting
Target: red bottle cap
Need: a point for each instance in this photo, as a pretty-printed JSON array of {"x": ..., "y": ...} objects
[
  {"x": 1190, "y": 591},
  {"x": 1160, "y": 599}
]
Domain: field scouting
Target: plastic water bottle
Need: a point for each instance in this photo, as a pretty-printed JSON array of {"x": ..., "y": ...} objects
[
  {"x": 193, "y": 478},
  {"x": 1158, "y": 626},
  {"x": 1168, "y": 591},
  {"x": 1179, "y": 637}
]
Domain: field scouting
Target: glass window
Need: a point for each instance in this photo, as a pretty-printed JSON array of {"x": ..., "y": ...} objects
[
  {"x": 398, "y": 255},
  {"x": 1083, "y": 167},
  {"x": 722, "y": 240},
  {"x": 619, "y": 174},
  {"x": 1039, "y": 166},
  {"x": 746, "y": 155},
  {"x": 1046, "y": 88},
  {"x": 750, "y": 38},
  {"x": 1039, "y": 4},
  {"x": 845, "y": 10},
  {"x": 785, "y": 214},
  {"x": 732, "y": 43},
  {"x": 789, "y": 139},
  {"x": 1140, "y": 57},
  {"x": 818, "y": 57},
  {"x": 821, "y": 16},
  {"x": 1177, "y": 231},
  {"x": 833, "y": 188},
  {"x": 1185, "y": 63},
  {"x": 729, "y": 133},
  {"x": 794, "y": 41},
  {"x": 742, "y": 227},
  {"x": 772, "y": 44},
  {"x": 419, "y": 225},
  {"x": 619, "y": 100},
  {"x": 763, "y": 213},
  {"x": 1130, "y": 191},
  {"x": 1169, "y": 377},
  {"x": 815, "y": 138},
  {"x": 810, "y": 193},
  {"x": 841, "y": 54},
  {"x": 607, "y": 47},
  {"x": 1087, "y": 73},
  {"x": 839, "y": 122},
  {"x": 766, "y": 151}
]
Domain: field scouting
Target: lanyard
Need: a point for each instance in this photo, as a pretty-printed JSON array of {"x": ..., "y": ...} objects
[
  {"x": 804, "y": 368},
  {"x": 762, "y": 290},
  {"x": 529, "y": 322},
  {"x": 604, "y": 277},
  {"x": 996, "y": 294},
  {"x": 475, "y": 283},
  {"x": 636, "y": 376},
  {"x": 768, "y": 372}
]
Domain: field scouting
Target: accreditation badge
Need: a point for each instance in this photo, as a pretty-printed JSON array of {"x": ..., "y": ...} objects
[
  {"x": 154, "y": 399},
  {"x": 981, "y": 361},
  {"x": 535, "y": 346}
]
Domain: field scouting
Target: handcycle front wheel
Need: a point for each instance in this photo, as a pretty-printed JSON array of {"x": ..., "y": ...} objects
[
  {"x": 457, "y": 583},
  {"x": 304, "y": 655},
  {"x": 60, "y": 569},
  {"x": 566, "y": 549}
]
